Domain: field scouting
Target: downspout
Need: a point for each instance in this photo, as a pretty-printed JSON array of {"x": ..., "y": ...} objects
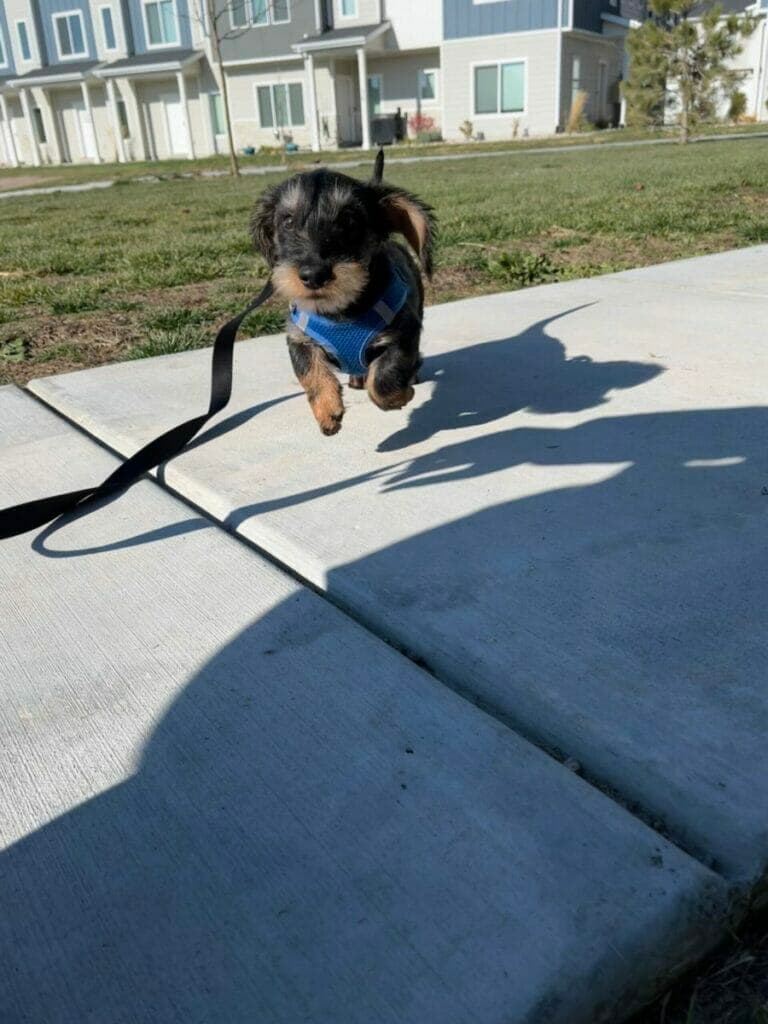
[
  {"x": 559, "y": 69},
  {"x": 761, "y": 71}
]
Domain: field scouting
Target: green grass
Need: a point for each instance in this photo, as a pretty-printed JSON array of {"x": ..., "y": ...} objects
[
  {"x": 86, "y": 278},
  {"x": 176, "y": 168}
]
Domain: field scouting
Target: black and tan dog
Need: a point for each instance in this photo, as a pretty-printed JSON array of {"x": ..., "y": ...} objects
[{"x": 356, "y": 296}]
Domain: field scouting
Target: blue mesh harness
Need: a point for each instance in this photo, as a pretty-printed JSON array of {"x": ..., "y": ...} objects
[{"x": 347, "y": 340}]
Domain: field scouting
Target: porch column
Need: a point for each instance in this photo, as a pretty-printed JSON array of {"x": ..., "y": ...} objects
[
  {"x": 112, "y": 99},
  {"x": 54, "y": 142},
  {"x": 362, "y": 71},
  {"x": 206, "y": 113},
  {"x": 10, "y": 142},
  {"x": 138, "y": 120},
  {"x": 89, "y": 112},
  {"x": 185, "y": 112},
  {"x": 314, "y": 133},
  {"x": 35, "y": 145}
]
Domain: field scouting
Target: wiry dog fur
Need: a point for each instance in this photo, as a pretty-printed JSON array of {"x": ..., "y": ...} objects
[{"x": 327, "y": 239}]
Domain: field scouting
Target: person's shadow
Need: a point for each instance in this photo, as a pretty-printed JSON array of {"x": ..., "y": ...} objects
[{"x": 481, "y": 383}]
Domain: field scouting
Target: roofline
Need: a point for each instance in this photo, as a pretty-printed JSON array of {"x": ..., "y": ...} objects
[
  {"x": 63, "y": 78},
  {"x": 260, "y": 60},
  {"x": 310, "y": 46},
  {"x": 108, "y": 71},
  {"x": 616, "y": 19}
]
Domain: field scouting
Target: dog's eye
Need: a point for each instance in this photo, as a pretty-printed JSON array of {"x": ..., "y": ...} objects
[{"x": 287, "y": 220}]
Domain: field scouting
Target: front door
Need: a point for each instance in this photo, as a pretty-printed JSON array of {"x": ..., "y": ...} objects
[
  {"x": 348, "y": 111},
  {"x": 85, "y": 132},
  {"x": 174, "y": 122}
]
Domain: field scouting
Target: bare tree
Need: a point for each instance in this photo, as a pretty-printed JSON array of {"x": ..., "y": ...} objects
[{"x": 216, "y": 23}]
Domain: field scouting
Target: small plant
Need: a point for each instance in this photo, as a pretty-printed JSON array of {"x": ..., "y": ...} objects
[
  {"x": 421, "y": 125},
  {"x": 521, "y": 269},
  {"x": 738, "y": 106},
  {"x": 577, "y": 118},
  {"x": 515, "y": 128},
  {"x": 15, "y": 350},
  {"x": 467, "y": 129}
]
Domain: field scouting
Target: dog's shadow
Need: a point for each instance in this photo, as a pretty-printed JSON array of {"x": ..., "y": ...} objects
[{"x": 488, "y": 381}]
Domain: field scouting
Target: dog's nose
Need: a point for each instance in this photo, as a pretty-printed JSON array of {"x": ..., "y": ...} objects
[{"x": 315, "y": 275}]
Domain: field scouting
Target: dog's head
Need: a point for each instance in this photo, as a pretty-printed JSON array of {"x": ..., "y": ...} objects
[{"x": 320, "y": 230}]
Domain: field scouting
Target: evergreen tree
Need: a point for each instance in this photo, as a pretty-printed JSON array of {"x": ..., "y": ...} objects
[{"x": 680, "y": 63}]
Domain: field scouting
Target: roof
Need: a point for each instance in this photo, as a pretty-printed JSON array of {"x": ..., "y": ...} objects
[
  {"x": 337, "y": 37},
  {"x": 70, "y": 69},
  {"x": 145, "y": 62}
]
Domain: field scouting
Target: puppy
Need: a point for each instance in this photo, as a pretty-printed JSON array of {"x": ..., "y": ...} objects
[{"x": 356, "y": 296}]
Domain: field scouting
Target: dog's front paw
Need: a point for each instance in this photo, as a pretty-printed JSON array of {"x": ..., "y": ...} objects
[
  {"x": 331, "y": 425},
  {"x": 357, "y": 383},
  {"x": 394, "y": 400}
]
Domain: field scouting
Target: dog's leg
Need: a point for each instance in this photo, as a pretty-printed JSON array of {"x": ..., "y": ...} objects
[
  {"x": 323, "y": 390},
  {"x": 391, "y": 376}
]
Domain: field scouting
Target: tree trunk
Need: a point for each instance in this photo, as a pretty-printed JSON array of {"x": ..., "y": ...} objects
[{"x": 216, "y": 45}]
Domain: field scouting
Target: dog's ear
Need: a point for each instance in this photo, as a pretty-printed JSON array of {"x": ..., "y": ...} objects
[
  {"x": 378, "y": 167},
  {"x": 409, "y": 216},
  {"x": 263, "y": 224}
]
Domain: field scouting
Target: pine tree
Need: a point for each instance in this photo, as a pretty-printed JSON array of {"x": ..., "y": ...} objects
[{"x": 682, "y": 64}]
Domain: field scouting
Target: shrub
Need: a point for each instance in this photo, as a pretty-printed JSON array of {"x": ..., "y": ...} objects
[
  {"x": 467, "y": 130},
  {"x": 522, "y": 269},
  {"x": 738, "y": 106},
  {"x": 577, "y": 119}
]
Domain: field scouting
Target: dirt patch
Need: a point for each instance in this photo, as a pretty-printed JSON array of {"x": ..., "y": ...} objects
[{"x": 24, "y": 181}]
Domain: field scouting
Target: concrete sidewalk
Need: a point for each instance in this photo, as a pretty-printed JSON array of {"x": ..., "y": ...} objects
[
  {"x": 222, "y": 800},
  {"x": 568, "y": 524}
]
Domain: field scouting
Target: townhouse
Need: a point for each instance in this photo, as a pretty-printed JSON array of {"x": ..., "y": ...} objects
[{"x": 104, "y": 80}]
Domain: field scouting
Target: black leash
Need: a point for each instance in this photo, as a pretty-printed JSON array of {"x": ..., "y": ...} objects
[{"x": 32, "y": 514}]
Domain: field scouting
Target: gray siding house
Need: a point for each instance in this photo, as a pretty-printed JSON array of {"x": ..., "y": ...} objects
[{"x": 93, "y": 80}]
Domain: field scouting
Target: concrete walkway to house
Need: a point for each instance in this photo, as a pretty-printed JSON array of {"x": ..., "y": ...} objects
[
  {"x": 365, "y": 161},
  {"x": 225, "y": 795}
]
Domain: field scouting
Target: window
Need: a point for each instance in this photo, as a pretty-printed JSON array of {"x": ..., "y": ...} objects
[
  {"x": 374, "y": 94},
  {"x": 427, "y": 86},
  {"x": 217, "y": 113},
  {"x": 575, "y": 77},
  {"x": 281, "y": 106},
  {"x": 122, "y": 118},
  {"x": 37, "y": 117},
  {"x": 24, "y": 48},
  {"x": 70, "y": 36},
  {"x": 3, "y": 57},
  {"x": 260, "y": 12},
  {"x": 108, "y": 28},
  {"x": 349, "y": 8},
  {"x": 160, "y": 21},
  {"x": 500, "y": 88}
]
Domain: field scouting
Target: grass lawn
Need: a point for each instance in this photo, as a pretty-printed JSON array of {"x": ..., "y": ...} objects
[
  {"x": 12, "y": 178},
  {"x": 142, "y": 269}
]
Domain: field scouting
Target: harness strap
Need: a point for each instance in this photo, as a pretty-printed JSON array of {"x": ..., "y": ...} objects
[{"x": 31, "y": 514}]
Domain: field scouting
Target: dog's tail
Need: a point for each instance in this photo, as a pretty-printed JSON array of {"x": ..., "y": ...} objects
[{"x": 378, "y": 168}]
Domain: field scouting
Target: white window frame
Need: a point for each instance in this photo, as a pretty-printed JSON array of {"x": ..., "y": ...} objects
[
  {"x": 498, "y": 63},
  {"x": 116, "y": 47},
  {"x": 271, "y": 20},
  {"x": 60, "y": 16},
  {"x": 4, "y": 48},
  {"x": 429, "y": 71},
  {"x": 217, "y": 92},
  {"x": 159, "y": 46},
  {"x": 31, "y": 58},
  {"x": 355, "y": 14},
  {"x": 376, "y": 74},
  {"x": 287, "y": 82}
]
